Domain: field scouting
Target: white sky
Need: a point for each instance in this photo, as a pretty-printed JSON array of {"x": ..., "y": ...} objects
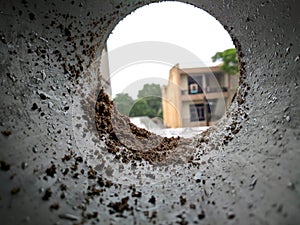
[{"x": 172, "y": 22}]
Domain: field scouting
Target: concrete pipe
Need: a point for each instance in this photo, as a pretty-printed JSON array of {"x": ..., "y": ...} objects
[{"x": 60, "y": 164}]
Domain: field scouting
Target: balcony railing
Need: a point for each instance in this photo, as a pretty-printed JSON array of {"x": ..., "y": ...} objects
[
  {"x": 211, "y": 93},
  {"x": 208, "y": 90}
]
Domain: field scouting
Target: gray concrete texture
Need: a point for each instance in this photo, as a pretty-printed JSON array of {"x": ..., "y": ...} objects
[{"x": 54, "y": 168}]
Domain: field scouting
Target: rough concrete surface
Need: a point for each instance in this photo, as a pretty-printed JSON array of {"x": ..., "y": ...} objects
[{"x": 56, "y": 170}]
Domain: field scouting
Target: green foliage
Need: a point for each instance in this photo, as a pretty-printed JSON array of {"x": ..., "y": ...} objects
[
  {"x": 142, "y": 108},
  {"x": 123, "y": 103},
  {"x": 230, "y": 62},
  {"x": 149, "y": 102},
  {"x": 150, "y": 90},
  {"x": 152, "y": 95}
]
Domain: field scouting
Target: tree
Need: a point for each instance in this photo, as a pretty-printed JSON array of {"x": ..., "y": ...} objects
[
  {"x": 141, "y": 108},
  {"x": 123, "y": 103},
  {"x": 152, "y": 94},
  {"x": 230, "y": 62},
  {"x": 150, "y": 90},
  {"x": 149, "y": 102}
]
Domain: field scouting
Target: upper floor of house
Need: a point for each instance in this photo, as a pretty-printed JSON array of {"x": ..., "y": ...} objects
[{"x": 197, "y": 83}]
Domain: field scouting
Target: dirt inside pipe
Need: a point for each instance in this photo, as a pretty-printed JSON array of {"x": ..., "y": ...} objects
[{"x": 129, "y": 142}]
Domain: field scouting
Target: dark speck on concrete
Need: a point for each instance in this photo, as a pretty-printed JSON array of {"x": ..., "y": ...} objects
[
  {"x": 6, "y": 133},
  {"x": 152, "y": 200},
  {"x": 48, "y": 194},
  {"x": 4, "y": 166},
  {"x": 201, "y": 215},
  {"x": 31, "y": 16}
]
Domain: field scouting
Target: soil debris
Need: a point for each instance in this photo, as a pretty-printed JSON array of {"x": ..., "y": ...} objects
[
  {"x": 127, "y": 141},
  {"x": 6, "y": 133},
  {"x": 51, "y": 171},
  {"x": 15, "y": 190},
  {"x": 119, "y": 206},
  {"x": 4, "y": 166},
  {"x": 48, "y": 194},
  {"x": 152, "y": 200}
]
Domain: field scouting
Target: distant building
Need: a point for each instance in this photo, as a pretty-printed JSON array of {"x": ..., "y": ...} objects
[{"x": 196, "y": 96}]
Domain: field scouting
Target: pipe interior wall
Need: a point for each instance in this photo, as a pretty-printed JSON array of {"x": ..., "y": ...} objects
[{"x": 54, "y": 169}]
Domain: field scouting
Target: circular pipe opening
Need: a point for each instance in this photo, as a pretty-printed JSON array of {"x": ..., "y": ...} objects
[
  {"x": 131, "y": 150},
  {"x": 128, "y": 142}
]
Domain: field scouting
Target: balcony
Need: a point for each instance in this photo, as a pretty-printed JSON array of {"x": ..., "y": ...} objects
[{"x": 210, "y": 93}]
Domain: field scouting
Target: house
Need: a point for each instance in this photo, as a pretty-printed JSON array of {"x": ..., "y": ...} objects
[{"x": 196, "y": 96}]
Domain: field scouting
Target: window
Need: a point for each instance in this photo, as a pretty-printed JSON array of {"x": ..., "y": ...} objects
[
  {"x": 195, "y": 84},
  {"x": 193, "y": 88},
  {"x": 197, "y": 112}
]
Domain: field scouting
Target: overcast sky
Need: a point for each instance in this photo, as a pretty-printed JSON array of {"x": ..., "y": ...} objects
[{"x": 175, "y": 23}]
